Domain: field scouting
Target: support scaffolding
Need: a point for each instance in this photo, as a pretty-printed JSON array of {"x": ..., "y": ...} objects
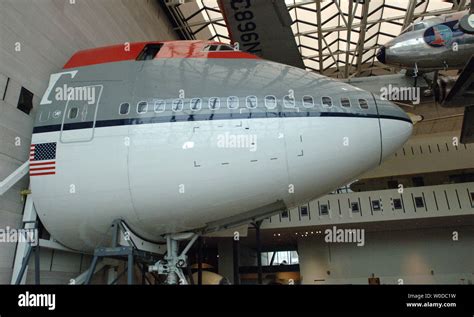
[{"x": 130, "y": 253}]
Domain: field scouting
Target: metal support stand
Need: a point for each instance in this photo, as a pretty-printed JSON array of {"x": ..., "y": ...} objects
[
  {"x": 36, "y": 249},
  {"x": 26, "y": 258},
  {"x": 130, "y": 269},
  {"x": 257, "y": 226},
  {"x": 200, "y": 261},
  {"x": 236, "y": 260},
  {"x": 119, "y": 276},
  {"x": 25, "y": 247},
  {"x": 24, "y": 265},
  {"x": 130, "y": 254},
  {"x": 143, "y": 271}
]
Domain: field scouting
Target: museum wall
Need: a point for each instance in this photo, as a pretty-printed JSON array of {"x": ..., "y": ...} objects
[{"x": 36, "y": 39}]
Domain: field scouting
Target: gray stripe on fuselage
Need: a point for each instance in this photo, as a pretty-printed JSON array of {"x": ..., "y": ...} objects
[{"x": 165, "y": 79}]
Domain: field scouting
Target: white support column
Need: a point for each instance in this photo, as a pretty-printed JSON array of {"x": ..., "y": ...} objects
[{"x": 14, "y": 177}]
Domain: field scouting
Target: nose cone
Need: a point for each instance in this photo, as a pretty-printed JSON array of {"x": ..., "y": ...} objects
[
  {"x": 395, "y": 127},
  {"x": 381, "y": 54}
]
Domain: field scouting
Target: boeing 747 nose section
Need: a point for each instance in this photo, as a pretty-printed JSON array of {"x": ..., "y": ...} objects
[{"x": 223, "y": 151}]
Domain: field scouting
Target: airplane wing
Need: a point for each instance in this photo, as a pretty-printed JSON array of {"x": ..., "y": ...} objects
[
  {"x": 462, "y": 93},
  {"x": 262, "y": 28},
  {"x": 467, "y": 131}
]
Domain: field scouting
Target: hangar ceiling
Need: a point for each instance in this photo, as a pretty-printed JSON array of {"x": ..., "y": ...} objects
[{"x": 338, "y": 38}]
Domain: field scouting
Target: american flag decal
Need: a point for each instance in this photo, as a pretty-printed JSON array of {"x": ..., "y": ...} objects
[{"x": 43, "y": 159}]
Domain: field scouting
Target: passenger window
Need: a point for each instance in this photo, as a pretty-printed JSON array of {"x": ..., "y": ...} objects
[
  {"x": 232, "y": 102},
  {"x": 345, "y": 102},
  {"x": 142, "y": 107},
  {"x": 270, "y": 102},
  {"x": 326, "y": 101},
  {"x": 251, "y": 102},
  {"x": 124, "y": 108},
  {"x": 419, "y": 26},
  {"x": 308, "y": 101},
  {"x": 363, "y": 104},
  {"x": 177, "y": 105},
  {"x": 288, "y": 102},
  {"x": 73, "y": 113},
  {"x": 196, "y": 104},
  {"x": 214, "y": 103},
  {"x": 160, "y": 106}
]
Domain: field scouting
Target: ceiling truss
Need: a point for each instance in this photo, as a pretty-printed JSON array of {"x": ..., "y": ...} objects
[{"x": 339, "y": 38}]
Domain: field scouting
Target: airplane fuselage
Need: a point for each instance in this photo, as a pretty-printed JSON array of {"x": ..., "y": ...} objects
[
  {"x": 433, "y": 44},
  {"x": 187, "y": 138}
]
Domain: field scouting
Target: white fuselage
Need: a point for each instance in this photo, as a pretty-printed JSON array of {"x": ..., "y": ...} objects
[
  {"x": 192, "y": 169},
  {"x": 157, "y": 186}
]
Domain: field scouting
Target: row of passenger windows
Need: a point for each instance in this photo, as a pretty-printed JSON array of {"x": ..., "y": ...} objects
[{"x": 233, "y": 102}]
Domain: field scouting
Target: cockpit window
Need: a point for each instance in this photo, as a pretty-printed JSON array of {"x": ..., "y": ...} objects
[
  {"x": 414, "y": 27},
  {"x": 408, "y": 29},
  {"x": 226, "y": 48},
  {"x": 419, "y": 26},
  {"x": 216, "y": 47},
  {"x": 149, "y": 52}
]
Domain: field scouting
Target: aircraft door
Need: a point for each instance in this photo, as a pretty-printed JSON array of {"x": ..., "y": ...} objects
[{"x": 80, "y": 113}]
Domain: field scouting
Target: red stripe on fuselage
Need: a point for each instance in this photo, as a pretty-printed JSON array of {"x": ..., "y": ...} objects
[
  {"x": 174, "y": 49},
  {"x": 108, "y": 54}
]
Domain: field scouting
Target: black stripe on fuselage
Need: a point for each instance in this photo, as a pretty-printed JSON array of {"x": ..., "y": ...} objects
[{"x": 206, "y": 117}]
